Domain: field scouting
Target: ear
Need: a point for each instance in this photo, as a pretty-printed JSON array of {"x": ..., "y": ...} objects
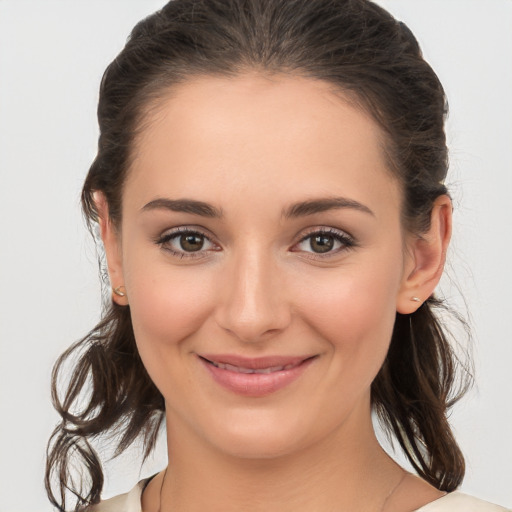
[
  {"x": 112, "y": 245},
  {"x": 426, "y": 258}
]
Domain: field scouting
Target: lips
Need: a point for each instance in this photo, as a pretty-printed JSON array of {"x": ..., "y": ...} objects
[
  {"x": 255, "y": 376},
  {"x": 241, "y": 369}
]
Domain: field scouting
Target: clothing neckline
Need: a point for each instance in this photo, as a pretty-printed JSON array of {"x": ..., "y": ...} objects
[
  {"x": 424, "y": 508},
  {"x": 436, "y": 501}
]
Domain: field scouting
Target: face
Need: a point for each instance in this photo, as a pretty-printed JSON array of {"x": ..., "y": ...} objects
[{"x": 264, "y": 261}]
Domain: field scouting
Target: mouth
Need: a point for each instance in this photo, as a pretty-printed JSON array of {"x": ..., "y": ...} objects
[
  {"x": 255, "y": 376},
  {"x": 261, "y": 368}
]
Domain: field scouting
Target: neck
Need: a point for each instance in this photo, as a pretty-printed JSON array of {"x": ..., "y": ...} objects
[{"x": 347, "y": 470}]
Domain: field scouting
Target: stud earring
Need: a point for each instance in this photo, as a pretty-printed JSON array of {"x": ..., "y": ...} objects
[
  {"x": 415, "y": 299},
  {"x": 118, "y": 291}
]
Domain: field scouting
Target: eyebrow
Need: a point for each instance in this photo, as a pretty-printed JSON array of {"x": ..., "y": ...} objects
[
  {"x": 184, "y": 205},
  {"x": 313, "y": 206},
  {"x": 301, "y": 209}
]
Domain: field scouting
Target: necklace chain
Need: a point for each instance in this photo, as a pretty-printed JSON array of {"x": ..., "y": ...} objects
[
  {"x": 381, "y": 510},
  {"x": 404, "y": 474},
  {"x": 161, "y": 489}
]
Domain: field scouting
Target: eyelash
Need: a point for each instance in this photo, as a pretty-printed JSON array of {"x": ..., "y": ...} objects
[
  {"x": 347, "y": 242},
  {"x": 176, "y": 233}
]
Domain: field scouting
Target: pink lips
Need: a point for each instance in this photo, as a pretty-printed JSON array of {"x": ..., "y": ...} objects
[{"x": 254, "y": 377}]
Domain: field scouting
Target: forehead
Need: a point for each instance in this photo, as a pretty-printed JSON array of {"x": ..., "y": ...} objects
[{"x": 258, "y": 131}]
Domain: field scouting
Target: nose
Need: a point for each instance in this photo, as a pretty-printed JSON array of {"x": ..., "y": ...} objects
[{"x": 253, "y": 304}]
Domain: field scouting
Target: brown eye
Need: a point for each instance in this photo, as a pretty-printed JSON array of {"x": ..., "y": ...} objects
[
  {"x": 191, "y": 242},
  {"x": 328, "y": 242},
  {"x": 185, "y": 243},
  {"x": 322, "y": 243}
]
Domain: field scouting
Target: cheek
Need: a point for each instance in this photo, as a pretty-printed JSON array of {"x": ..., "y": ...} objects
[
  {"x": 354, "y": 309},
  {"x": 167, "y": 304}
]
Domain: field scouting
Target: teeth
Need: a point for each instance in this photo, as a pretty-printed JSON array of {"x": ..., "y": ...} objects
[{"x": 239, "y": 369}]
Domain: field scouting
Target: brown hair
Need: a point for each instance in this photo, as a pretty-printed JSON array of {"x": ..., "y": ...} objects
[{"x": 363, "y": 51}]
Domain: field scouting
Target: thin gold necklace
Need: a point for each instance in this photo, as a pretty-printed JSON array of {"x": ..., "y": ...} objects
[
  {"x": 381, "y": 510},
  {"x": 393, "y": 490},
  {"x": 161, "y": 489}
]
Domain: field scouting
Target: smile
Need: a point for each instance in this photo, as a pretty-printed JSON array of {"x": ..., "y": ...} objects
[
  {"x": 255, "y": 377},
  {"x": 241, "y": 369}
]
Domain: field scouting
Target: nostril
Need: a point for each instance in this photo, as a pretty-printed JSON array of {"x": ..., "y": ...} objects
[{"x": 252, "y": 310}]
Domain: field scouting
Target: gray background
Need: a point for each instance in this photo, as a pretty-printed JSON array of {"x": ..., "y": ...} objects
[{"x": 52, "y": 55}]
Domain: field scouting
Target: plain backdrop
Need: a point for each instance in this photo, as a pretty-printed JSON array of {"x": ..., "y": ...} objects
[{"x": 52, "y": 56}]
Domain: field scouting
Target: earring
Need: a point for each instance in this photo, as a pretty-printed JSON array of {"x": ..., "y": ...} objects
[
  {"x": 118, "y": 291},
  {"x": 415, "y": 299}
]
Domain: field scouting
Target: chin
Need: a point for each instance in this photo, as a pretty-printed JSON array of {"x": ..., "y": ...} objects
[
  {"x": 262, "y": 436},
  {"x": 258, "y": 446}
]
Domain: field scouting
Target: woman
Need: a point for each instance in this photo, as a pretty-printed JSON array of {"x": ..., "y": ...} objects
[{"x": 269, "y": 192}]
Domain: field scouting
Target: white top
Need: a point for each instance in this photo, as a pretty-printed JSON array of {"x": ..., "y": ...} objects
[{"x": 452, "y": 502}]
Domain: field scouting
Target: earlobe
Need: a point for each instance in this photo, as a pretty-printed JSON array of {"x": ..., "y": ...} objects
[
  {"x": 426, "y": 258},
  {"x": 111, "y": 243}
]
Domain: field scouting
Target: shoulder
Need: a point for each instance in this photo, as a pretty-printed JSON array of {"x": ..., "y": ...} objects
[
  {"x": 128, "y": 502},
  {"x": 460, "y": 502}
]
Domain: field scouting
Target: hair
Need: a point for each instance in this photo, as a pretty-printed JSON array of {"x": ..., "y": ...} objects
[{"x": 368, "y": 56}]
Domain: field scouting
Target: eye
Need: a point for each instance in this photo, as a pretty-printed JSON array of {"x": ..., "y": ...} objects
[
  {"x": 325, "y": 242},
  {"x": 186, "y": 243}
]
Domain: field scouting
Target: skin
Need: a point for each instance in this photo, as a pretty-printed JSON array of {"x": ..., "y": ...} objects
[{"x": 251, "y": 147}]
